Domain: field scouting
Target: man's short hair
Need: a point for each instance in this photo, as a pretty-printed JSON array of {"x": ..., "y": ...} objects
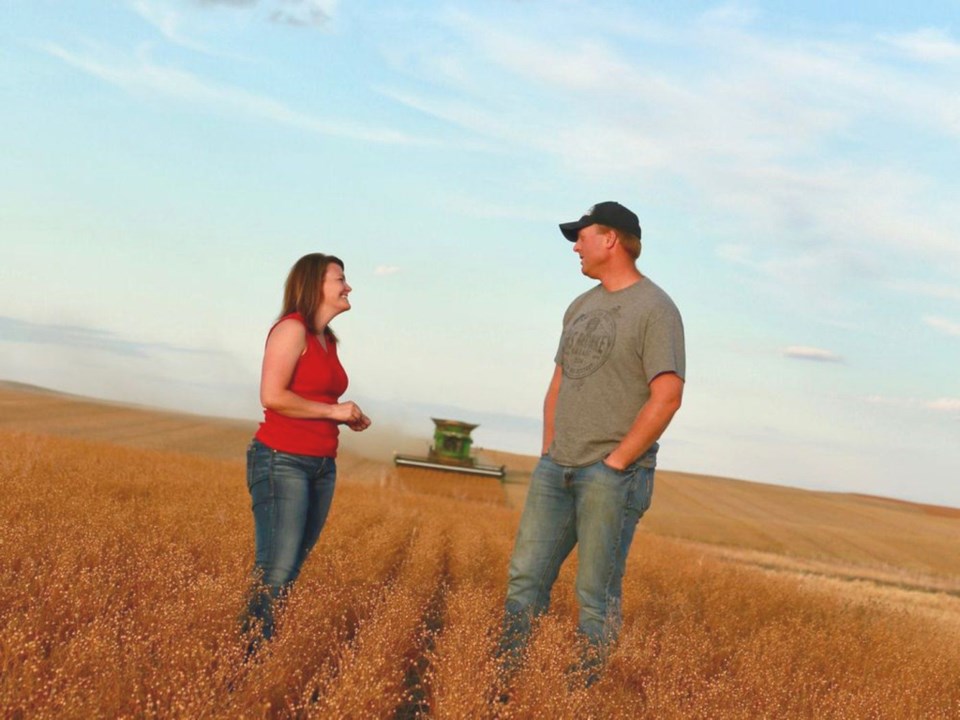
[{"x": 630, "y": 243}]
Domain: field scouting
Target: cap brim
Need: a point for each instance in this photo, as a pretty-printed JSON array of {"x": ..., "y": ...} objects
[{"x": 571, "y": 229}]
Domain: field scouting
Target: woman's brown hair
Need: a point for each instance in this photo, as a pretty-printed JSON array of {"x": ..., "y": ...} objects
[{"x": 303, "y": 291}]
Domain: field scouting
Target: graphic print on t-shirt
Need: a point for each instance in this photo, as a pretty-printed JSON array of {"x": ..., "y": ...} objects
[{"x": 588, "y": 343}]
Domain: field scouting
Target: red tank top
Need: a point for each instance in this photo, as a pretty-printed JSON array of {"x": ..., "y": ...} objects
[{"x": 320, "y": 377}]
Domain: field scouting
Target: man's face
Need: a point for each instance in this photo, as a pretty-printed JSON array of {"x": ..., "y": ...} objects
[{"x": 593, "y": 248}]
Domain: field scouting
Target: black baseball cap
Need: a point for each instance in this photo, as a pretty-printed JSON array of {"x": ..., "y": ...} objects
[{"x": 609, "y": 213}]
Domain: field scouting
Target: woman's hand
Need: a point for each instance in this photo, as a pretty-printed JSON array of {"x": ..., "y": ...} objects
[
  {"x": 347, "y": 413},
  {"x": 360, "y": 425}
]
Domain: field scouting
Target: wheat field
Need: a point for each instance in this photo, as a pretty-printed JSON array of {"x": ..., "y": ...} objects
[{"x": 123, "y": 571}]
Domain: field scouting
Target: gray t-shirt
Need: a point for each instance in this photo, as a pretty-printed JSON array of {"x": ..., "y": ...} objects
[{"x": 613, "y": 345}]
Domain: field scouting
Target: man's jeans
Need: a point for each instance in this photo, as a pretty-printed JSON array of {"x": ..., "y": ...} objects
[
  {"x": 595, "y": 506},
  {"x": 291, "y": 496}
]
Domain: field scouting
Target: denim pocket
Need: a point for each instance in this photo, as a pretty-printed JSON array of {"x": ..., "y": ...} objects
[
  {"x": 259, "y": 472},
  {"x": 641, "y": 492},
  {"x": 251, "y": 459},
  {"x": 625, "y": 473}
]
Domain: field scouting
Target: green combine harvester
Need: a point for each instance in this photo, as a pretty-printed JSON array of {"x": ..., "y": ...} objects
[{"x": 451, "y": 452}]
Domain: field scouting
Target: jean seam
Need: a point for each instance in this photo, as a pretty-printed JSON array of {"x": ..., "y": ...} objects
[
  {"x": 616, "y": 559},
  {"x": 274, "y": 511},
  {"x": 645, "y": 491},
  {"x": 555, "y": 552}
]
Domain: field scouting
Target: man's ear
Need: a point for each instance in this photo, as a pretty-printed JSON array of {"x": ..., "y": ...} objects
[{"x": 610, "y": 238}]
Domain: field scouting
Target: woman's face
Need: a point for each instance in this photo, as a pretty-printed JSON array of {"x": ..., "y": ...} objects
[{"x": 335, "y": 291}]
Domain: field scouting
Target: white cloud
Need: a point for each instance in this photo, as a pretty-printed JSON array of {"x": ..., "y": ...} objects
[
  {"x": 928, "y": 45},
  {"x": 945, "y": 405},
  {"x": 456, "y": 112},
  {"x": 170, "y": 22},
  {"x": 947, "y": 327},
  {"x": 303, "y": 13},
  {"x": 15, "y": 330},
  {"x": 888, "y": 401},
  {"x": 386, "y": 270},
  {"x": 735, "y": 253},
  {"x": 478, "y": 208},
  {"x": 298, "y": 13},
  {"x": 142, "y": 75},
  {"x": 803, "y": 352},
  {"x": 940, "y": 405},
  {"x": 587, "y": 66},
  {"x": 754, "y": 136},
  {"x": 919, "y": 287},
  {"x": 728, "y": 14},
  {"x": 163, "y": 18}
]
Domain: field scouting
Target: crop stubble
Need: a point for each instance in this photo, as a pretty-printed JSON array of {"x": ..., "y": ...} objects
[{"x": 123, "y": 574}]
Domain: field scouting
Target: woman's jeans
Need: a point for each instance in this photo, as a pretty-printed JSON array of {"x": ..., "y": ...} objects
[
  {"x": 594, "y": 506},
  {"x": 291, "y": 496}
]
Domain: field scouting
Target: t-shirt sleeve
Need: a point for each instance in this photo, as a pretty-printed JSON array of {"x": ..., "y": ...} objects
[{"x": 663, "y": 345}]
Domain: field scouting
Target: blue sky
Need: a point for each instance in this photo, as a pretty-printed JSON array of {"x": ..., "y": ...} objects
[{"x": 794, "y": 170}]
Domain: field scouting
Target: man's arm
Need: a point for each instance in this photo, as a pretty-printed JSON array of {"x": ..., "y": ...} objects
[
  {"x": 666, "y": 394},
  {"x": 550, "y": 408}
]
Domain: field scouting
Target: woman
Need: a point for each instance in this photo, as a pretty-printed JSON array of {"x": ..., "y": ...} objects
[{"x": 291, "y": 462}]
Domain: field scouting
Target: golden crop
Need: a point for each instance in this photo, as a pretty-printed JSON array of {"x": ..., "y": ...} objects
[{"x": 123, "y": 573}]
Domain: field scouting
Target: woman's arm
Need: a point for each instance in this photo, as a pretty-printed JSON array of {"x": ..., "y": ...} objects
[{"x": 286, "y": 343}]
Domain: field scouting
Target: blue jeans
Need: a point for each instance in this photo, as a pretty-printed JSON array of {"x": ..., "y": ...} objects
[
  {"x": 595, "y": 506},
  {"x": 291, "y": 496}
]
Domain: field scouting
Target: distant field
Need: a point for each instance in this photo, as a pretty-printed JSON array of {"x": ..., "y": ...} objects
[
  {"x": 875, "y": 534},
  {"x": 123, "y": 569},
  {"x": 24, "y": 408}
]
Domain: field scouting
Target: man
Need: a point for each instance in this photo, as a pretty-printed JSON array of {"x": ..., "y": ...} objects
[{"x": 617, "y": 383}]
